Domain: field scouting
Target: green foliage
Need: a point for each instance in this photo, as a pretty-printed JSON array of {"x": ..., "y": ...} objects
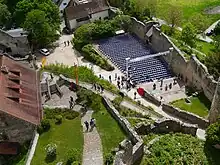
[
  {"x": 177, "y": 149},
  {"x": 213, "y": 134},
  {"x": 149, "y": 137},
  {"x": 217, "y": 29},
  {"x": 84, "y": 75},
  {"x": 174, "y": 16},
  {"x": 84, "y": 97},
  {"x": 59, "y": 119},
  {"x": 44, "y": 126},
  {"x": 73, "y": 155},
  {"x": 199, "y": 21},
  {"x": 109, "y": 158},
  {"x": 213, "y": 64},
  {"x": 50, "y": 9},
  {"x": 41, "y": 32},
  {"x": 99, "y": 30},
  {"x": 58, "y": 114},
  {"x": 91, "y": 55},
  {"x": 117, "y": 101},
  {"x": 51, "y": 150},
  {"x": 5, "y": 15},
  {"x": 189, "y": 35}
]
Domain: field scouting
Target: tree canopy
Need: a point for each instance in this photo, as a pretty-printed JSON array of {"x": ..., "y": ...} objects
[
  {"x": 5, "y": 15},
  {"x": 188, "y": 34},
  {"x": 174, "y": 15},
  {"x": 213, "y": 134},
  {"x": 40, "y": 31},
  {"x": 50, "y": 9},
  {"x": 213, "y": 64}
]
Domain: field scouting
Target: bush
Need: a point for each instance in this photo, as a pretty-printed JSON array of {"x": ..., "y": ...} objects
[
  {"x": 73, "y": 156},
  {"x": 75, "y": 163},
  {"x": 63, "y": 113},
  {"x": 51, "y": 150},
  {"x": 213, "y": 134},
  {"x": 91, "y": 55},
  {"x": 44, "y": 126},
  {"x": 58, "y": 119},
  {"x": 109, "y": 159}
]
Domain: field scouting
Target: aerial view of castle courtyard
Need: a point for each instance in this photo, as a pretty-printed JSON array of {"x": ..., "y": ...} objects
[{"x": 109, "y": 82}]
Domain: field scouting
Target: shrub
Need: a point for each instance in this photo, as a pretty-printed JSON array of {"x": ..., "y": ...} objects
[
  {"x": 51, "y": 150},
  {"x": 109, "y": 159},
  {"x": 64, "y": 113},
  {"x": 40, "y": 129},
  {"x": 213, "y": 134},
  {"x": 45, "y": 125},
  {"x": 75, "y": 163},
  {"x": 58, "y": 119},
  {"x": 73, "y": 155}
]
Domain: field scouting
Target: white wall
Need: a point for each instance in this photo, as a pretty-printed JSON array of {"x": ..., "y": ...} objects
[
  {"x": 101, "y": 14},
  {"x": 73, "y": 24}
]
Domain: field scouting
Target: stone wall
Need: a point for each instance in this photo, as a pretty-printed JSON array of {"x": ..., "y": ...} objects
[
  {"x": 166, "y": 126},
  {"x": 151, "y": 98},
  {"x": 18, "y": 45},
  {"x": 185, "y": 116},
  {"x": 17, "y": 130},
  {"x": 138, "y": 145}
]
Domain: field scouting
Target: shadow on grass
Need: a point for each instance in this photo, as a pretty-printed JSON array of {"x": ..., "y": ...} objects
[
  {"x": 50, "y": 159},
  {"x": 212, "y": 154},
  {"x": 203, "y": 99}
]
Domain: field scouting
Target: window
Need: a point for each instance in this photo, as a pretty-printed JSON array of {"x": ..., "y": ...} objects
[
  {"x": 17, "y": 73},
  {"x": 16, "y": 99}
]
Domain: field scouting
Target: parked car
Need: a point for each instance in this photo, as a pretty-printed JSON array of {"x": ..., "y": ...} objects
[{"x": 45, "y": 52}]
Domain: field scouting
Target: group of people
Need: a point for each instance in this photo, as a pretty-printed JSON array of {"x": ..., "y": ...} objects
[
  {"x": 98, "y": 87},
  {"x": 92, "y": 124},
  {"x": 166, "y": 86},
  {"x": 66, "y": 43}
]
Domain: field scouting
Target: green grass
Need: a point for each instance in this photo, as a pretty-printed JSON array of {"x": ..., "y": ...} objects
[
  {"x": 135, "y": 121},
  {"x": 204, "y": 47},
  {"x": 199, "y": 105},
  {"x": 149, "y": 137},
  {"x": 189, "y": 8},
  {"x": 177, "y": 149},
  {"x": 109, "y": 130},
  {"x": 66, "y": 136}
]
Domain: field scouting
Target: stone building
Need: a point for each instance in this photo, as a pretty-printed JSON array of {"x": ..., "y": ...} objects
[
  {"x": 81, "y": 12},
  {"x": 14, "y": 42},
  {"x": 20, "y": 102}
]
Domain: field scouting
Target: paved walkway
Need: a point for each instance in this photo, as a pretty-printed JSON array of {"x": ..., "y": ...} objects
[{"x": 92, "y": 151}]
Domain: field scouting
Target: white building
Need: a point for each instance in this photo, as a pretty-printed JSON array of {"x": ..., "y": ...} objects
[{"x": 84, "y": 11}]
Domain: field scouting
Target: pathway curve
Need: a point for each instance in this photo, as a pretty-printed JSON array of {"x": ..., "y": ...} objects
[{"x": 92, "y": 151}]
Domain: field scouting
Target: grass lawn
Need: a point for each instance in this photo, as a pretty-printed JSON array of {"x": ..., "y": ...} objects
[
  {"x": 189, "y": 7},
  {"x": 67, "y": 135},
  {"x": 204, "y": 47},
  {"x": 199, "y": 105},
  {"x": 135, "y": 121}
]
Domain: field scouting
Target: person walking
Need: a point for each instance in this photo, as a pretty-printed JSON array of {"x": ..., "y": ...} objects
[
  {"x": 71, "y": 102},
  {"x": 102, "y": 89},
  {"x": 64, "y": 43},
  {"x": 87, "y": 125},
  {"x": 115, "y": 76},
  {"x": 135, "y": 95},
  {"x": 68, "y": 42},
  {"x": 110, "y": 78}
]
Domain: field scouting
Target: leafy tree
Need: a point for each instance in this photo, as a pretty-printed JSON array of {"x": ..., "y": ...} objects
[
  {"x": 124, "y": 21},
  {"x": 217, "y": 29},
  {"x": 213, "y": 64},
  {"x": 213, "y": 134},
  {"x": 51, "y": 11},
  {"x": 199, "y": 21},
  {"x": 174, "y": 16},
  {"x": 188, "y": 34},
  {"x": 51, "y": 150},
  {"x": 5, "y": 15},
  {"x": 41, "y": 33}
]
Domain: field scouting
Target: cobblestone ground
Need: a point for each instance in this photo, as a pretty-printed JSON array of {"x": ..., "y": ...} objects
[{"x": 92, "y": 151}]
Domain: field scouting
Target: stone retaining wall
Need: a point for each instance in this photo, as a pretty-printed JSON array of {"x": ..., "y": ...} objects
[
  {"x": 166, "y": 126},
  {"x": 185, "y": 116},
  {"x": 138, "y": 145}
]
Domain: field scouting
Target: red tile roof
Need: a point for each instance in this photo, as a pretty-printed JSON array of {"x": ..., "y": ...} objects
[
  {"x": 9, "y": 148},
  {"x": 20, "y": 91}
]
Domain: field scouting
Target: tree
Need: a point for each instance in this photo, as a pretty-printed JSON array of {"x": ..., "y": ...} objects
[
  {"x": 51, "y": 11},
  {"x": 174, "y": 16},
  {"x": 188, "y": 34},
  {"x": 199, "y": 21},
  {"x": 5, "y": 15},
  {"x": 213, "y": 134},
  {"x": 41, "y": 33},
  {"x": 217, "y": 29},
  {"x": 213, "y": 64}
]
